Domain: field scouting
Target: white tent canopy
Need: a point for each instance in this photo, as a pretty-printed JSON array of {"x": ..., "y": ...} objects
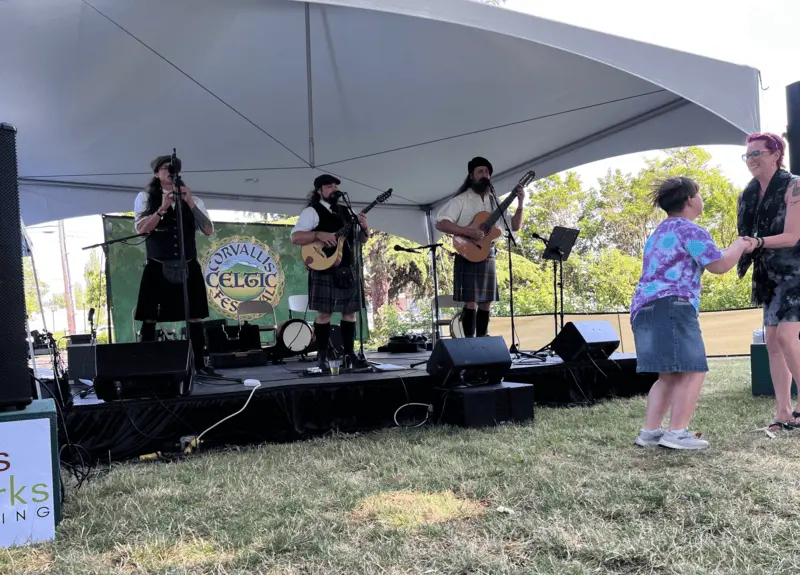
[{"x": 261, "y": 96}]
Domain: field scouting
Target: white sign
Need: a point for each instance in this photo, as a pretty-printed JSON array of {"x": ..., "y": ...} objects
[{"x": 27, "y": 512}]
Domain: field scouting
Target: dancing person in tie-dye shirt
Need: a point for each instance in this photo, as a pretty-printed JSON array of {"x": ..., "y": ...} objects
[{"x": 664, "y": 312}]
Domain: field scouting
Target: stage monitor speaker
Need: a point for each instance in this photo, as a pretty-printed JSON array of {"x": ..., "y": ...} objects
[
  {"x": 584, "y": 340},
  {"x": 15, "y": 389},
  {"x": 469, "y": 361},
  {"x": 143, "y": 370}
]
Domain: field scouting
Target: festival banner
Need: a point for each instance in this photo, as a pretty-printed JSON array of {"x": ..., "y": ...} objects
[{"x": 240, "y": 262}]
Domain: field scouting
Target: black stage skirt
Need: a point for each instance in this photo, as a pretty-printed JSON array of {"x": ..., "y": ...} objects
[
  {"x": 475, "y": 282},
  {"x": 161, "y": 300},
  {"x": 324, "y": 296}
]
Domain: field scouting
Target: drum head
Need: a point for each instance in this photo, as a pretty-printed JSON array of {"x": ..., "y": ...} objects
[
  {"x": 296, "y": 335},
  {"x": 456, "y": 327}
]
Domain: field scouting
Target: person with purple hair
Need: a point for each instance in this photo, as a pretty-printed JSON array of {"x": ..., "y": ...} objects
[{"x": 769, "y": 216}]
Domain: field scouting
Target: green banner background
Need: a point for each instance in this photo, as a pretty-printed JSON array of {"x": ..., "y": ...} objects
[{"x": 126, "y": 262}]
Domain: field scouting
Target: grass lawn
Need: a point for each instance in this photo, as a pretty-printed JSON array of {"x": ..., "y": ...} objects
[{"x": 566, "y": 494}]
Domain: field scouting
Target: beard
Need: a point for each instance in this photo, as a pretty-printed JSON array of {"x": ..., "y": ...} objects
[{"x": 481, "y": 185}]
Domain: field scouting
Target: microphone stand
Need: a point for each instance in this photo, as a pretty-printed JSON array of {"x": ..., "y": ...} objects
[
  {"x": 176, "y": 196},
  {"x": 359, "y": 264},
  {"x": 105, "y": 246},
  {"x": 511, "y": 241}
]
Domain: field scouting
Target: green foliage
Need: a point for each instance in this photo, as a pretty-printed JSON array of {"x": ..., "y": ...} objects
[
  {"x": 31, "y": 297},
  {"x": 390, "y": 322},
  {"x": 95, "y": 292}
]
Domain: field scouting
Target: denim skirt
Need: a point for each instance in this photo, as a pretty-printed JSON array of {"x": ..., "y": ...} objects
[{"x": 668, "y": 337}]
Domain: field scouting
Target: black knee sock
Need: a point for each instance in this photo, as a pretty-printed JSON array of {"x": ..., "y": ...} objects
[
  {"x": 468, "y": 322},
  {"x": 198, "y": 339},
  {"x": 322, "y": 332},
  {"x": 482, "y": 322},
  {"x": 348, "y": 335},
  {"x": 148, "y": 331}
]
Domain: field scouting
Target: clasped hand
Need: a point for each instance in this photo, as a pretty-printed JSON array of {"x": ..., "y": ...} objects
[{"x": 750, "y": 244}]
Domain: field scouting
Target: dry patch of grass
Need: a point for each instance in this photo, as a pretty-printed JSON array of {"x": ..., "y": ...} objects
[{"x": 411, "y": 509}]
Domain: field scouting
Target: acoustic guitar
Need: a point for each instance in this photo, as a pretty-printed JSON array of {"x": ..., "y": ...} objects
[
  {"x": 319, "y": 257},
  {"x": 478, "y": 250}
]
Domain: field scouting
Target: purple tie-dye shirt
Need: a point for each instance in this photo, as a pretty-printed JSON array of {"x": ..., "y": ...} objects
[{"x": 675, "y": 255}]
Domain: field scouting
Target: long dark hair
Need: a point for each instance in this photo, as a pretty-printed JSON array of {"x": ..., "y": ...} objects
[
  {"x": 154, "y": 193},
  {"x": 313, "y": 197},
  {"x": 466, "y": 185}
]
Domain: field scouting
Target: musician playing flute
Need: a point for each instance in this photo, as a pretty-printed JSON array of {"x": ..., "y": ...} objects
[{"x": 475, "y": 283}]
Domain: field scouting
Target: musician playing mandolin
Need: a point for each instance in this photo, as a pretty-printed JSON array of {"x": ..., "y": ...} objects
[
  {"x": 475, "y": 283},
  {"x": 331, "y": 290}
]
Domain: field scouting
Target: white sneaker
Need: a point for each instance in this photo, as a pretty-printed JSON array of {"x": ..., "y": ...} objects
[
  {"x": 648, "y": 438},
  {"x": 682, "y": 440}
]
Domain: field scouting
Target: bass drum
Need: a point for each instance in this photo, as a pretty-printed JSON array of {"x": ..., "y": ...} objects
[
  {"x": 295, "y": 337},
  {"x": 456, "y": 327}
]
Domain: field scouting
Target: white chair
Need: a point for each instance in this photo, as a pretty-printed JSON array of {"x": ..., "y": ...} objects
[
  {"x": 258, "y": 307},
  {"x": 445, "y": 302},
  {"x": 298, "y": 304}
]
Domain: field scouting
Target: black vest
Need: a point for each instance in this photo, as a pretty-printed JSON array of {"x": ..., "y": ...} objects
[
  {"x": 163, "y": 243},
  {"x": 333, "y": 222}
]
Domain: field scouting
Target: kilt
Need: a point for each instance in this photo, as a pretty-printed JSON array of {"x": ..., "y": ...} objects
[
  {"x": 161, "y": 300},
  {"x": 324, "y": 296},
  {"x": 475, "y": 282}
]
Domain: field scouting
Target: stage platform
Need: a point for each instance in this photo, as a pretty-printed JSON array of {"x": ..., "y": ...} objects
[{"x": 291, "y": 406}]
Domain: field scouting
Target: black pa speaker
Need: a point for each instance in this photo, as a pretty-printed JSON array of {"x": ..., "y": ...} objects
[
  {"x": 585, "y": 339},
  {"x": 15, "y": 390},
  {"x": 143, "y": 370},
  {"x": 469, "y": 361}
]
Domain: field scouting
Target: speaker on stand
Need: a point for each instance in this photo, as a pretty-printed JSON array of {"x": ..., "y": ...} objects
[{"x": 15, "y": 389}]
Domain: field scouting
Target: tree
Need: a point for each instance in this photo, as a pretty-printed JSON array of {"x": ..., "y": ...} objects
[
  {"x": 31, "y": 297},
  {"x": 551, "y": 202},
  {"x": 95, "y": 294}
]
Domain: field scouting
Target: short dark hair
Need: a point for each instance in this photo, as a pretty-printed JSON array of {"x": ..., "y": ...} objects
[{"x": 672, "y": 194}]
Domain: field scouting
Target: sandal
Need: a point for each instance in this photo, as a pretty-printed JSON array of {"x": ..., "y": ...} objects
[{"x": 785, "y": 425}]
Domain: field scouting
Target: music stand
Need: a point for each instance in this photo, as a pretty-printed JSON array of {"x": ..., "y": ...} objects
[{"x": 558, "y": 248}]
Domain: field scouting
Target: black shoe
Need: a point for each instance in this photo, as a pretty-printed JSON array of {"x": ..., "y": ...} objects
[
  {"x": 354, "y": 362},
  {"x": 322, "y": 362}
]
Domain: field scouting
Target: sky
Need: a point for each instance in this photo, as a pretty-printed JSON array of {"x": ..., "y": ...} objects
[{"x": 715, "y": 28}]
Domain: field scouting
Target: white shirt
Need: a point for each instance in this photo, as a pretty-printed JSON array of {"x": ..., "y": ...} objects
[
  {"x": 309, "y": 218},
  {"x": 463, "y": 208},
  {"x": 140, "y": 208}
]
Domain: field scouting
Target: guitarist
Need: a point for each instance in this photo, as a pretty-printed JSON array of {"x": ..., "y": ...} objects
[
  {"x": 475, "y": 284},
  {"x": 327, "y": 294}
]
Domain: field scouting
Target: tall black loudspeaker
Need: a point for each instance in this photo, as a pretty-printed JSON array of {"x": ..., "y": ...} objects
[
  {"x": 469, "y": 361},
  {"x": 793, "y": 125},
  {"x": 584, "y": 340},
  {"x": 15, "y": 387}
]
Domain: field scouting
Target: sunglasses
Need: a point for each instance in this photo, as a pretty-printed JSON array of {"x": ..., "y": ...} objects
[{"x": 755, "y": 154}]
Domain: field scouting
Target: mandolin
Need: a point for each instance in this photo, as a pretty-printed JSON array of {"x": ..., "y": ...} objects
[
  {"x": 319, "y": 257},
  {"x": 478, "y": 250}
]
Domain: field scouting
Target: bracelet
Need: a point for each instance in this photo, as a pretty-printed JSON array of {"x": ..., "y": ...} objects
[{"x": 760, "y": 242}]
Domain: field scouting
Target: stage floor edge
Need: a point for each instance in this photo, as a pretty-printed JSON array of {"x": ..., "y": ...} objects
[{"x": 291, "y": 406}]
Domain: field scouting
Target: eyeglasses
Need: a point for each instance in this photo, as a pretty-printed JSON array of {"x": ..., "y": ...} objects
[{"x": 754, "y": 154}]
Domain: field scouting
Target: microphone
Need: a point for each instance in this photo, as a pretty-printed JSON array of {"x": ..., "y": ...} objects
[
  {"x": 91, "y": 315},
  {"x": 399, "y": 248}
]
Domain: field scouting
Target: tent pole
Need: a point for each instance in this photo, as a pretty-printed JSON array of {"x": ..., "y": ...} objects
[
  {"x": 310, "y": 91},
  {"x": 434, "y": 271}
]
